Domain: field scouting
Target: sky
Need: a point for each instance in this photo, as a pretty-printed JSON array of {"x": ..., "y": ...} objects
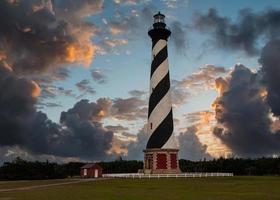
[{"x": 74, "y": 78}]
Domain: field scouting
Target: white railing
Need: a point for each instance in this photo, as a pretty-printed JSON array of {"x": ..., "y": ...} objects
[{"x": 183, "y": 175}]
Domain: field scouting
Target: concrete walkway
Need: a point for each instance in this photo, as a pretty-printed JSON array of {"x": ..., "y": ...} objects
[{"x": 51, "y": 184}]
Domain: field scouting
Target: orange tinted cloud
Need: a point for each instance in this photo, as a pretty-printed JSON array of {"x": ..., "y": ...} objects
[
  {"x": 221, "y": 85},
  {"x": 115, "y": 29},
  {"x": 3, "y": 57},
  {"x": 36, "y": 90},
  {"x": 81, "y": 54},
  {"x": 204, "y": 121},
  {"x": 115, "y": 42},
  {"x": 263, "y": 92},
  {"x": 101, "y": 114},
  {"x": 117, "y": 147}
]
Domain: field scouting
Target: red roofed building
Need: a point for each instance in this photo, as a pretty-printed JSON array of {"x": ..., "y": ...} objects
[{"x": 91, "y": 170}]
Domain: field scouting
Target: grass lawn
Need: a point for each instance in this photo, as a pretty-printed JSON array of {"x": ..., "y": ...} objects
[
  {"x": 218, "y": 188},
  {"x": 18, "y": 184}
]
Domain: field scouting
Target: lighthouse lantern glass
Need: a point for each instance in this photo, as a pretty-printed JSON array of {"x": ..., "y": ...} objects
[{"x": 159, "y": 19}]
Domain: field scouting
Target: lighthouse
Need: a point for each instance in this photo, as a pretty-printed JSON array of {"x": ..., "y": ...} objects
[{"x": 161, "y": 154}]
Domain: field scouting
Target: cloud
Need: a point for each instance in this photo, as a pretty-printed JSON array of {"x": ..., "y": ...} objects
[
  {"x": 137, "y": 22},
  {"x": 244, "y": 116},
  {"x": 99, "y": 76},
  {"x": 244, "y": 34},
  {"x": 115, "y": 28},
  {"x": 40, "y": 35},
  {"x": 51, "y": 92},
  {"x": 201, "y": 80},
  {"x": 8, "y": 154},
  {"x": 21, "y": 125},
  {"x": 47, "y": 78},
  {"x": 179, "y": 96},
  {"x": 131, "y": 24},
  {"x": 110, "y": 45},
  {"x": 126, "y": 2},
  {"x": 271, "y": 71},
  {"x": 171, "y": 3},
  {"x": 90, "y": 111},
  {"x": 247, "y": 108},
  {"x": 38, "y": 38},
  {"x": 84, "y": 133},
  {"x": 48, "y": 104},
  {"x": 202, "y": 123},
  {"x": 135, "y": 148},
  {"x": 121, "y": 109},
  {"x": 118, "y": 128},
  {"x": 178, "y": 36},
  {"x": 77, "y": 9},
  {"x": 85, "y": 87},
  {"x": 137, "y": 93},
  {"x": 114, "y": 42},
  {"x": 190, "y": 146},
  {"x": 129, "y": 109},
  {"x": 17, "y": 101}
]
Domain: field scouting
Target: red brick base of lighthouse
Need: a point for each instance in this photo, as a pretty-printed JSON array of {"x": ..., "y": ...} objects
[{"x": 161, "y": 161}]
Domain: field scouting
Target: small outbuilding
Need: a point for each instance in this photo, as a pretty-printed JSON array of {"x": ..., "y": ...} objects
[{"x": 91, "y": 170}]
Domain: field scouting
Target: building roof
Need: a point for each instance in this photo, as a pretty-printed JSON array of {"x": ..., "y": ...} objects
[{"x": 91, "y": 165}]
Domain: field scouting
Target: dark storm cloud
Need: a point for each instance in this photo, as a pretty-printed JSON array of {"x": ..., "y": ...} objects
[
  {"x": 270, "y": 61},
  {"x": 17, "y": 100},
  {"x": 78, "y": 132},
  {"x": 244, "y": 34},
  {"x": 89, "y": 111},
  {"x": 38, "y": 35},
  {"x": 36, "y": 39},
  {"x": 244, "y": 114},
  {"x": 247, "y": 100},
  {"x": 84, "y": 135}
]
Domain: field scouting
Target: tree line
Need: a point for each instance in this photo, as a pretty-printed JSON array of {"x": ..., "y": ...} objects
[
  {"x": 20, "y": 169},
  {"x": 237, "y": 166}
]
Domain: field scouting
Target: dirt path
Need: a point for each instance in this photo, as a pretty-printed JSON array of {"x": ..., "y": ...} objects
[{"x": 50, "y": 185}]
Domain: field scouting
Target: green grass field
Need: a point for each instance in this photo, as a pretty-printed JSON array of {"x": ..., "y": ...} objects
[
  {"x": 18, "y": 184},
  {"x": 230, "y": 188}
]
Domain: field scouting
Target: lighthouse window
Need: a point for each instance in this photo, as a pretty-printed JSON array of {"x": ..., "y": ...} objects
[{"x": 151, "y": 125}]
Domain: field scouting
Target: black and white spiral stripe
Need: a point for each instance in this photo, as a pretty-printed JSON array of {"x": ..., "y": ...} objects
[{"x": 160, "y": 119}]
